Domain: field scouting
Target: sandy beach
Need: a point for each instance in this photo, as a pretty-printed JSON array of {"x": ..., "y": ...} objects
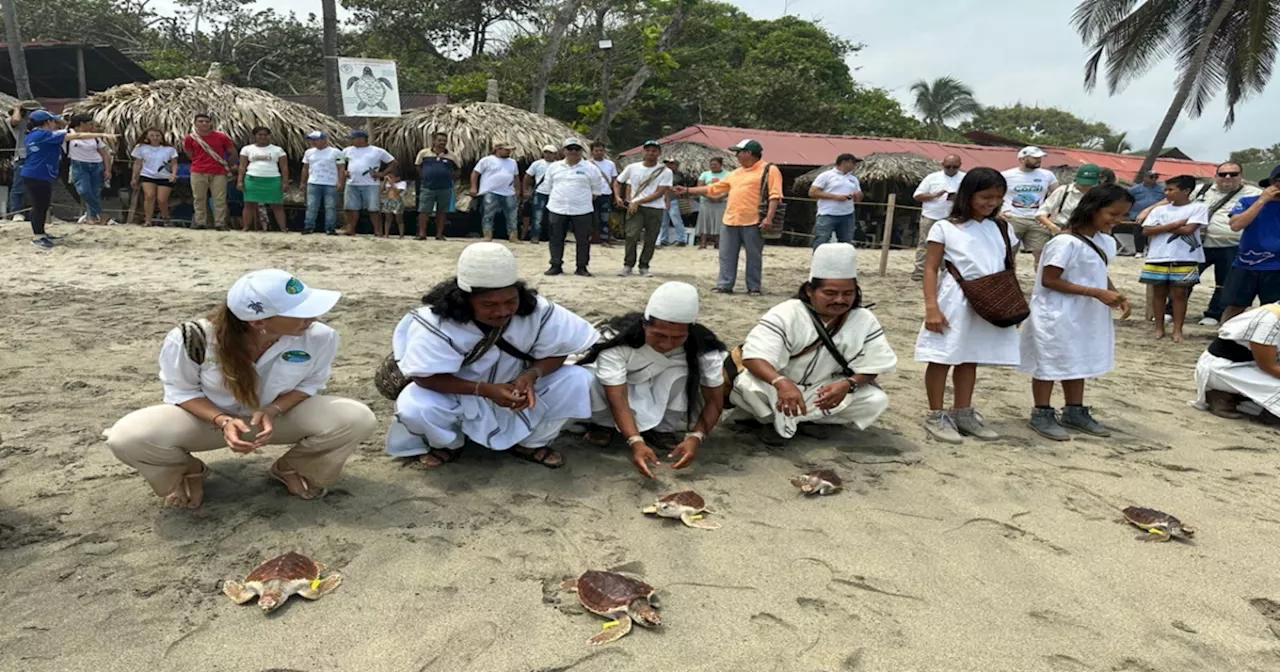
[{"x": 1001, "y": 556}]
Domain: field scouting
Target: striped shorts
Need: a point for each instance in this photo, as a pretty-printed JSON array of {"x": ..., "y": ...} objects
[{"x": 1173, "y": 273}]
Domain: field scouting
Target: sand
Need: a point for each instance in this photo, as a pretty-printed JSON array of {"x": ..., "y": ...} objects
[{"x": 997, "y": 556}]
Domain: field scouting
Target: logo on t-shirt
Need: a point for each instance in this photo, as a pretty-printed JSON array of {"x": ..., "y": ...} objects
[
  {"x": 296, "y": 356},
  {"x": 294, "y": 286}
]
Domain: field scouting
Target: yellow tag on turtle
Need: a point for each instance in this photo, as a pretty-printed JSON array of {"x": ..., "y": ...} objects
[
  {"x": 697, "y": 517},
  {"x": 315, "y": 583},
  {"x": 608, "y": 624},
  {"x": 1155, "y": 531}
]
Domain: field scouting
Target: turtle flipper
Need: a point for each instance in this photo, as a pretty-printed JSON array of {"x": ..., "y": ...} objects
[
  {"x": 385, "y": 82},
  {"x": 381, "y": 105},
  {"x": 238, "y": 591},
  {"x": 351, "y": 81},
  {"x": 569, "y": 584},
  {"x": 615, "y": 632},
  {"x": 321, "y": 588},
  {"x": 689, "y": 520}
]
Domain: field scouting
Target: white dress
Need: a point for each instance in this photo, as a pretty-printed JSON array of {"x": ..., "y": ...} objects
[
  {"x": 655, "y": 384},
  {"x": 976, "y": 249},
  {"x": 425, "y": 344},
  {"x": 786, "y": 331},
  {"x": 1261, "y": 326},
  {"x": 1070, "y": 336}
]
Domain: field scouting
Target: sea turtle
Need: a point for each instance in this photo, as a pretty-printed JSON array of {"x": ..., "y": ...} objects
[
  {"x": 820, "y": 482},
  {"x": 370, "y": 90},
  {"x": 1159, "y": 525},
  {"x": 687, "y": 506},
  {"x": 617, "y": 597},
  {"x": 278, "y": 578}
]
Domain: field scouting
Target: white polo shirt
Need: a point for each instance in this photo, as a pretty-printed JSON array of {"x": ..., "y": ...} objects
[
  {"x": 835, "y": 182},
  {"x": 572, "y": 188}
]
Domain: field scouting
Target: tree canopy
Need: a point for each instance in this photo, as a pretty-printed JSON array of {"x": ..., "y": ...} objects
[{"x": 1038, "y": 125}]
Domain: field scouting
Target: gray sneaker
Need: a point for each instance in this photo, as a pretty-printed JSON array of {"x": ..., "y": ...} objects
[
  {"x": 626, "y": 271},
  {"x": 1045, "y": 422},
  {"x": 645, "y": 272},
  {"x": 942, "y": 427},
  {"x": 969, "y": 423},
  {"x": 1079, "y": 418}
]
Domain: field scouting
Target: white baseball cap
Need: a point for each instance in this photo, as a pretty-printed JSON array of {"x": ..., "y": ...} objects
[
  {"x": 1031, "y": 151},
  {"x": 549, "y": 148},
  {"x": 571, "y": 142},
  {"x": 316, "y": 135},
  {"x": 259, "y": 295}
]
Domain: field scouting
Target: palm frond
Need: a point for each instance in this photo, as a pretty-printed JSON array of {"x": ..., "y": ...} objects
[{"x": 1092, "y": 18}]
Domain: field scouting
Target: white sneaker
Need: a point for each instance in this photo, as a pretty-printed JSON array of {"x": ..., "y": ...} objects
[
  {"x": 1137, "y": 255},
  {"x": 1207, "y": 322},
  {"x": 83, "y": 219},
  {"x": 19, "y": 218}
]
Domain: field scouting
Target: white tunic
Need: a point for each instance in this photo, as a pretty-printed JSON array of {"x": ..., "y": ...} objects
[
  {"x": 976, "y": 249},
  {"x": 1261, "y": 326},
  {"x": 426, "y": 345},
  {"x": 655, "y": 383},
  {"x": 1070, "y": 336},
  {"x": 787, "y": 330}
]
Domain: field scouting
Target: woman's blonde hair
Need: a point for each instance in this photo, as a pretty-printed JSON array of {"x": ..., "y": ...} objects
[{"x": 231, "y": 342}]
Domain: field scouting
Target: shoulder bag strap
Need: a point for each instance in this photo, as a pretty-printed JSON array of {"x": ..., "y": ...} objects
[
  {"x": 764, "y": 184},
  {"x": 1093, "y": 245},
  {"x": 209, "y": 150},
  {"x": 1223, "y": 201},
  {"x": 829, "y": 344},
  {"x": 1061, "y": 203},
  {"x": 649, "y": 180}
]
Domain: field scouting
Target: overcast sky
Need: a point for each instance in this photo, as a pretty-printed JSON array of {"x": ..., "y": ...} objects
[{"x": 1008, "y": 51}]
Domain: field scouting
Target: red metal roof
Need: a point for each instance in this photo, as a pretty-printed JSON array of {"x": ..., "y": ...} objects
[{"x": 814, "y": 149}]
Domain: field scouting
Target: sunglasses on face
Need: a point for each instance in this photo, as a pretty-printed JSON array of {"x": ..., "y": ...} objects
[
  {"x": 951, "y": 167},
  {"x": 1235, "y": 174}
]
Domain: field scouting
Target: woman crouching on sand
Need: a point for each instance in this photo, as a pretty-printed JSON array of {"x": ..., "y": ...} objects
[{"x": 247, "y": 377}]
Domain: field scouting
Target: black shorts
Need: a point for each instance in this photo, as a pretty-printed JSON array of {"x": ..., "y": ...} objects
[
  {"x": 158, "y": 181},
  {"x": 1244, "y": 285}
]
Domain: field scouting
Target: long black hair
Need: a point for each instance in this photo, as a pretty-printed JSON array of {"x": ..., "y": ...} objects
[
  {"x": 451, "y": 303},
  {"x": 629, "y": 331},
  {"x": 978, "y": 179},
  {"x": 1094, "y": 200},
  {"x": 813, "y": 285}
]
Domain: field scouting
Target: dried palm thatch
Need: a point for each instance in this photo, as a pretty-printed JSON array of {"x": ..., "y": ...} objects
[
  {"x": 879, "y": 167},
  {"x": 472, "y": 129},
  {"x": 693, "y": 156},
  {"x": 6, "y": 103},
  {"x": 171, "y": 104}
]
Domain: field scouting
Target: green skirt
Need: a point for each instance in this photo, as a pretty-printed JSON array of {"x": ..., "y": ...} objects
[{"x": 263, "y": 190}]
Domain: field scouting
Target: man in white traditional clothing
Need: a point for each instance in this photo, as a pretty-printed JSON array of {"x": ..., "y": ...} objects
[
  {"x": 1239, "y": 374},
  {"x": 484, "y": 359},
  {"x": 814, "y": 360},
  {"x": 655, "y": 372}
]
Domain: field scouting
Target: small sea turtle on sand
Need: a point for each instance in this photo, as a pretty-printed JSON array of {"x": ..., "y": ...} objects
[
  {"x": 278, "y": 578},
  {"x": 616, "y": 597},
  {"x": 687, "y": 506},
  {"x": 370, "y": 90},
  {"x": 1159, "y": 525},
  {"x": 821, "y": 482}
]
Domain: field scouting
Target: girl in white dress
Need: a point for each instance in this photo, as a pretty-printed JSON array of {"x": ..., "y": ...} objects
[
  {"x": 1070, "y": 336},
  {"x": 953, "y": 335}
]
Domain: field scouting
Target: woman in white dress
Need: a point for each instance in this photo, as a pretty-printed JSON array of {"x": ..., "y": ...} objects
[
  {"x": 643, "y": 383},
  {"x": 1239, "y": 374},
  {"x": 1070, "y": 336},
  {"x": 953, "y": 336}
]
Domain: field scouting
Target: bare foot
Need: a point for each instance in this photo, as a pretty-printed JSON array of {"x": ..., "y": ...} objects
[
  {"x": 190, "y": 491},
  {"x": 1157, "y": 332},
  {"x": 1177, "y": 336},
  {"x": 297, "y": 484}
]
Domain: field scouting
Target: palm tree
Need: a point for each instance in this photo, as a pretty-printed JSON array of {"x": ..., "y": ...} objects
[
  {"x": 943, "y": 100},
  {"x": 1216, "y": 44},
  {"x": 1117, "y": 144}
]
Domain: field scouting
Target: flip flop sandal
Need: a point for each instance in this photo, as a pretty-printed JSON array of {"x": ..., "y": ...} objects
[
  {"x": 306, "y": 487},
  {"x": 442, "y": 455},
  {"x": 203, "y": 474},
  {"x": 533, "y": 456}
]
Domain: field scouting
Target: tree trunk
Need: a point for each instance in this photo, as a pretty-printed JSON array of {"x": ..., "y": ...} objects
[
  {"x": 16, "y": 56},
  {"x": 613, "y": 106},
  {"x": 564, "y": 16},
  {"x": 1184, "y": 87},
  {"x": 332, "y": 86}
]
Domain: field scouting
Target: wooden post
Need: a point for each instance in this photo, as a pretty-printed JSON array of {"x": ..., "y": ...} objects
[
  {"x": 888, "y": 234},
  {"x": 81, "y": 80}
]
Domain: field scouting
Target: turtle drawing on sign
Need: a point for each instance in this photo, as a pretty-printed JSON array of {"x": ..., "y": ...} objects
[{"x": 370, "y": 90}]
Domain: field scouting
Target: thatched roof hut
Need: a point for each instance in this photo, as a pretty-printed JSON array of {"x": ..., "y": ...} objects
[
  {"x": 878, "y": 167},
  {"x": 691, "y": 155},
  {"x": 472, "y": 130},
  {"x": 6, "y": 103},
  {"x": 171, "y": 104}
]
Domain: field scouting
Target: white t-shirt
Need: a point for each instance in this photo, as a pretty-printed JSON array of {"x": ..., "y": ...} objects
[
  {"x": 1027, "y": 190},
  {"x": 637, "y": 174},
  {"x": 835, "y": 182},
  {"x": 938, "y": 208},
  {"x": 1070, "y": 336},
  {"x": 300, "y": 363},
  {"x": 155, "y": 160},
  {"x": 572, "y": 187},
  {"x": 85, "y": 151},
  {"x": 263, "y": 161},
  {"x": 361, "y": 161},
  {"x": 322, "y": 165},
  {"x": 608, "y": 172},
  {"x": 497, "y": 176},
  {"x": 536, "y": 170},
  {"x": 1169, "y": 247},
  {"x": 1219, "y": 233}
]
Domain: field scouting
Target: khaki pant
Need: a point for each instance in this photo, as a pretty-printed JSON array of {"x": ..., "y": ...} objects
[
  {"x": 642, "y": 227},
  {"x": 202, "y": 185},
  {"x": 922, "y": 244},
  {"x": 1030, "y": 231},
  {"x": 158, "y": 440}
]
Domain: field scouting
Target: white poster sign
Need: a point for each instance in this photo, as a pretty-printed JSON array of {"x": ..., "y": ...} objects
[{"x": 369, "y": 87}]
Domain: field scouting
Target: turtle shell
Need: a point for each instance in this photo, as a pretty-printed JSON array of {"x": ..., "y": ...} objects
[
  {"x": 687, "y": 498},
  {"x": 289, "y": 567},
  {"x": 606, "y": 591},
  {"x": 1143, "y": 517},
  {"x": 827, "y": 475}
]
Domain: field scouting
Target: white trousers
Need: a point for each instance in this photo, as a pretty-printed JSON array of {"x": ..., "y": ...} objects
[{"x": 758, "y": 398}]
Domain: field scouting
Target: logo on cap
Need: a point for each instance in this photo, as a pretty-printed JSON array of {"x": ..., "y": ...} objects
[
  {"x": 256, "y": 306},
  {"x": 296, "y": 356},
  {"x": 294, "y": 286}
]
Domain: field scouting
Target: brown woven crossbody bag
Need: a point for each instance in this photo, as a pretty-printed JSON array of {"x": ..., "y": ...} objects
[{"x": 996, "y": 298}]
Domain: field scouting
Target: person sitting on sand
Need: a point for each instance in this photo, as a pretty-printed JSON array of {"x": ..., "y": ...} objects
[
  {"x": 247, "y": 377},
  {"x": 1242, "y": 364},
  {"x": 642, "y": 384},
  {"x": 814, "y": 359},
  {"x": 485, "y": 356}
]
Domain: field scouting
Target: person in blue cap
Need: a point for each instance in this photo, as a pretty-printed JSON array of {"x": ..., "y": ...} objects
[
  {"x": 43, "y": 142},
  {"x": 1256, "y": 271}
]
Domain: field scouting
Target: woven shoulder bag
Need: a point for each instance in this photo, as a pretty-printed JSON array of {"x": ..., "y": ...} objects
[{"x": 996, "y": 298}]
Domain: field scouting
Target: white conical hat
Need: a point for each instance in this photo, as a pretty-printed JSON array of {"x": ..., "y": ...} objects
[
  {"x": 486, "y": 266},
  {"x": 674, "y": 302},
  {"x": 834, "y": 261}
]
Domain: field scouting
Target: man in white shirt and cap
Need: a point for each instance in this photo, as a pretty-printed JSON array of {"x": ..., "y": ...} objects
[
  {"x": 654, "y": 373},
  {"x": 1027, "y": 185},
  {"x": 484, "y": 361},
  {"x": 814, "y": 359}
]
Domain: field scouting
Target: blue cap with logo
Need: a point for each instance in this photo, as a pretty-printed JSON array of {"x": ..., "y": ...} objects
[{"x": 41, "y": 116}]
